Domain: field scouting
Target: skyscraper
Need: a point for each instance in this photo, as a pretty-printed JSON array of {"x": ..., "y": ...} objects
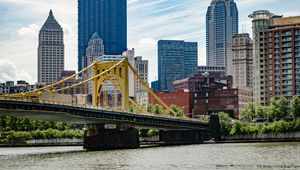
[
  {"x": 106, "y": 17},
  {"x": 94, "y": 50},
  {"x": 176, "y": 60},
  {"x": 284, "y": 54},
  {"x": 242, "y": 48},
  {"x": 221, "y": 26},
  {"x": 261, "y": 79},
  {"x": 50, "y": 51}
]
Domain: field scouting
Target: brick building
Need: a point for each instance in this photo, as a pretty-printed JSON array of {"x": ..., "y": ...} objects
[
  {"x": 199, "y": 95},
  {"x": 181, "y": 99}
]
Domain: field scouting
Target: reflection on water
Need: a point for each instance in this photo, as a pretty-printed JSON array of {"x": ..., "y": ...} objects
[{"x": 215, "y": 156}]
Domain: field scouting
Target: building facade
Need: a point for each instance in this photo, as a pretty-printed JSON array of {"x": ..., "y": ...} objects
[
  {"x": 94, "y": 50},
  {"x": 284, "y": 54},
  {"x": 9, "y": 87},
  {"x": 261, "y": 70},
  {"x": 141, "y": 93},
  {"x": 50, "y": 51},
  {"x": 215, "y": 71},
  {"x": 106, "y": 17},
  {"x": 176, "y": 60},
  {"x": 242, "y": 48},
  {"x": 221, "y": 26},
  {"x": 130, "y": 55},
  {"x": 200, "y": 95}
]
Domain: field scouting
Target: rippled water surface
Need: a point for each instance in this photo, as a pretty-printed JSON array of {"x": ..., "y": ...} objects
[{"x": 216, "y": 156}]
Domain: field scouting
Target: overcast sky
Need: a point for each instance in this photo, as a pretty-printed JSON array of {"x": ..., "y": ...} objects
[{"x": 148, "y": 21}]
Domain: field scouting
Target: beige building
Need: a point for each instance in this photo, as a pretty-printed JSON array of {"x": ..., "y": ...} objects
[
  {"x": 242, "y": 60},
  {"x": 141, "y": 94},
  {"x": 50, "y": 51},
  {"x": 261, "y": 71}
]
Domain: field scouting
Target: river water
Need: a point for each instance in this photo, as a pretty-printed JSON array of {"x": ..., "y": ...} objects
[{"x": 213, "y": 156}]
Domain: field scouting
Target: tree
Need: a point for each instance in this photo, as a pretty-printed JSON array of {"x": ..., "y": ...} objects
[
  {"x": 283, "y": 107},
  {"x": 274, "y": 109},
  {"x": 295, "y": 107},
  {"x": 157, "y": 110},
  {"x": 249, "y": 112},
  {"x": 149, "y": 108},
  {"x": 260, "y": 111}
]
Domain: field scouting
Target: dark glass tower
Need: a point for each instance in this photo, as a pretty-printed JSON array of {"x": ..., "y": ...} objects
[
  {"x": 221, "y": 26},
  {"x": 109, "y": 19},
  {"x": 176, "y": 60}
]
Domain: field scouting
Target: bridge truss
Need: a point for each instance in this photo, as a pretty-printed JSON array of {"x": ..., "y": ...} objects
[{"x": 93, "y": 80}]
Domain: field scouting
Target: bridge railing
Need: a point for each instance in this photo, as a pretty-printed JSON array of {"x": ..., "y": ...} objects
[{"x": 87, "y": 106}]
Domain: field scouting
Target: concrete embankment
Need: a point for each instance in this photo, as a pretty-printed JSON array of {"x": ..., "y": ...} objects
[
  {"x": 47, "y": 142},
  {"x": 260, "y": 137}
]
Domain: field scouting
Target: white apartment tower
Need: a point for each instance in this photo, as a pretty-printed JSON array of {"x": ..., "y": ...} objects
[
  {"x": 50, "y": 51},
  {"x": 141, "y": 94}
]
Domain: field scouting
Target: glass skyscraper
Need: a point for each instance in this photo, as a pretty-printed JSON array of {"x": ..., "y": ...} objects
[
  {"x": 176, "y": 60},
  {"x": 106, "y": 17},
  {"x": 221, "y": 26}
]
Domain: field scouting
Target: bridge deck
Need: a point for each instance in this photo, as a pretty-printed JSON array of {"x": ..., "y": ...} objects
[{"x": 75, "y": 114}]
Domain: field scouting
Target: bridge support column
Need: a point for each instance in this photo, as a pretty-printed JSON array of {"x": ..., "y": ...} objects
[
  {"x": 96, "y": 137},
  {"x": 180, "y": 137},
  {"x": 214, "y": 127}
]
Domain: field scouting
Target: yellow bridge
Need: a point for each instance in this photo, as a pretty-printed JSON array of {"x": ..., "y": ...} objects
[
  {"x": 94, "y": 80},
  {"x": 55, "y": 102}
]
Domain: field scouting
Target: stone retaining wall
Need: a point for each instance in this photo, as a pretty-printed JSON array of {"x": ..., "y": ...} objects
[{"x": 261, "y": 136}]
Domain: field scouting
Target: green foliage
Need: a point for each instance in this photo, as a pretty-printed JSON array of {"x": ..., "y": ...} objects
[
  {"x": 149, "y": 108},
  {"x": 157, "y": 109},
  {"x": 225, "y": 122},
  {"x": 178, "y": 111},
  {"x": 279, "y": 108},
  {"x": 249, "y": 112},
  {"x": 153, "y": 132},
  {"x": 143, "y": 133},
  {"x": 295, "y": 107},
  {"x": 18, "y": 137},
  {"x": 241, "y": 128},
  {"x": 8, "y": 123}
]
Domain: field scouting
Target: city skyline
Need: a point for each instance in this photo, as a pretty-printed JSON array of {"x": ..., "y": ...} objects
[{"x": 144, "y": 29}]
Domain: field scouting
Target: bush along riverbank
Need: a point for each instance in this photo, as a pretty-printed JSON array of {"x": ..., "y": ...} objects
[
  {"x": 14, "y": 137},
  {"x": 279, "y": 121},
  {"x": 15, "y": 131}
]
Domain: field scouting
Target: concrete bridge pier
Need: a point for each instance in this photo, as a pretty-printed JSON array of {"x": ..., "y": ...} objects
[
  {"x": 97, "y": 137},
  {"x": 174, "y": 137},
  {"x": 181, "y": 137}
]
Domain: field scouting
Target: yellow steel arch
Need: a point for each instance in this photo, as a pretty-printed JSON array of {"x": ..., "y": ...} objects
[{"x": 110, "y": 71}]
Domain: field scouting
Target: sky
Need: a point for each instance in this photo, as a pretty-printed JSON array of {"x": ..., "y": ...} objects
[{"x": 148, "y": 22}]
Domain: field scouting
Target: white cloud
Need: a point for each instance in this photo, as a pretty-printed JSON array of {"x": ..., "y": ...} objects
[
  {"x": 8, "y": 72},
  {"x": 32, "y": 29},
  {"x": 147, "y": 43}
]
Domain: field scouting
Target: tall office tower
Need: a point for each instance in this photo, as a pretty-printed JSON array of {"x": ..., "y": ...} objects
[
  {"x": 242, "y": 48},
  {"x": 50, "y": 51},
  {"x": 261, "y": 79},
  {"x": 141, "y": 93},
  {"x": 109, "y": 19},
  {"x": 221, "y": 26},
  {"x": 176, "y": 60},
  {"x": 94, "y": 50},
  {"x": 284, "y": 53}
]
